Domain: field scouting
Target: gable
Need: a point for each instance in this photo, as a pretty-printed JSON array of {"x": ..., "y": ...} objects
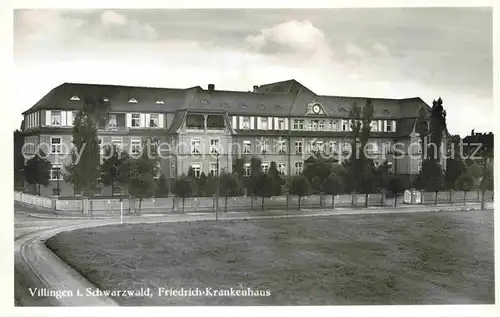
[{"x": 315, "y": 109}]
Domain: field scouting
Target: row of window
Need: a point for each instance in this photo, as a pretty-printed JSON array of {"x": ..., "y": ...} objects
[
  {"x": 159, "y": 101},
  {"x": 298, "y": 168},
  {"x": 266, "y": 123},
  {"x": 133, "y": 120}
]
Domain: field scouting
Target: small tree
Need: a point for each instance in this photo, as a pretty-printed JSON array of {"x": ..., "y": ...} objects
[
  {"x": 37, "y": 171},
  {"x": 431, "y": 177},
  {"x": 210, "y": 185},
  {"x": 275, "y": 179},
  {"x": 110, "y": 167},
  {"x": 299, "y": 187},
  {"x": 486, "y": 182},
  {"x": 263, "y": 186},
  {"x": 124, "y": 170},
  {"x": 183, "y": 188},
  {"x": 333, "y": 186},
  {"x": 143, "y": 170},
  {"x": 202, "y": 185},
  {"x": 367, "y": 183},
  {"x": 230, "y": 186},
  {"x": 316, "y": 184},
  {"x": 465, "y": 183},
  {"x": 161, "y": 187},
  {"x": 396, "y": 186}
]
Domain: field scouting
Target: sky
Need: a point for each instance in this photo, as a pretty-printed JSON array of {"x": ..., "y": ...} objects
[{"x": 365, "y": 52}]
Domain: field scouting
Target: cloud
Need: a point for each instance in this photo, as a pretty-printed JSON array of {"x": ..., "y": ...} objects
[
  {"x": 113, "y": 18},
  {"x": 381, "y": 49},
  {"x": 290, "y": 37},
  {"x": 354, "y": 50}
]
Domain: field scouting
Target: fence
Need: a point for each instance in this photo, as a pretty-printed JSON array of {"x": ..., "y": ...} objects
[{"x": 203, "y": 204}]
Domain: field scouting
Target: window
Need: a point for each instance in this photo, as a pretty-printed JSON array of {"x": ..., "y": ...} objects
[
  {"x": 55, "y": 117},
  {"x": 298, "y": 147},
  {"x": 419, "y": 148},
  {"x": 281, "y": 146},
  {"x": 245, "y": 123},
  {"x": 56, "y": 191},
  {"x": 298, "y": 124},
  {"x": 388, "y": 126},
  {"x": 135, "y": 146},
  {"x": 346, "y": 147},
  {"x": 319, "y": 146},
  {"x": 263, "y": 124},
  {"x": 373, "y": 147},
  {"x": 213, "y": 169},
  {"x": 263, "y": 146},
  {"x": 99, "y": 143},
  {"x": 132, "y": 100},
  {"x": 333, "y": 147},
  {"x": 389, "y": 164},
  {"x": 419, "y": 165},
  {"x": 154, "y": 120},
  {"x": 374, "y": 126},
  {"x": 105, "y": 99},
  {"x": 55, "y": 145},
  {"x": 314, "y": 125},
  {"x": 246, "y": 169},
  {"x": 312, "y": 146},
  {"x": 56, "y": 172},
  {"x": 334, "y": 124},
  {"x": 265, "y": 167},
  {"x": 246, "y": 147},
  {"x": 345, "y": 125},
  {"x": 196, "y": 169},
  {"x": 195, "y": 146},
  {"x": 117, "y": 142},
  {"x": 321, "y": 125},
  {"x": 75, "y": 114},
  {"x": 74, "y": 98},
  {"x": 280, "y": 124},
  {"x": 298, "y": 168},
  {"x": 112, "y": 121},
  {"x": 282, "y": 168},
  {"x": 214, "y": 146},
  {"x": 136, "y": 120}
]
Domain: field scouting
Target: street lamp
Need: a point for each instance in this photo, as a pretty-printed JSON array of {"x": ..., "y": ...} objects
[{"x": 217, "y": 190}]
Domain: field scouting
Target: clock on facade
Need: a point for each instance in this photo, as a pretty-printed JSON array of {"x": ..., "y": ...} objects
[{"x": 316, "y": 108}]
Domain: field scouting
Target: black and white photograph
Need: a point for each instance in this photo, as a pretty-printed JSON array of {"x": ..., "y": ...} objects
[{"x": 175, "y": 157}]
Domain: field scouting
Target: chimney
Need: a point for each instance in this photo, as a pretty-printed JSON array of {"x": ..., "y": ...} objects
[
  {"x": 255, "y": 88},
  {"x": 211, "y": 87},
  {"x": 472, "y": 132}
]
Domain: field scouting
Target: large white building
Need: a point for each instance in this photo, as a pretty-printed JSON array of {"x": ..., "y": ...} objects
[{"x": 282, "y": 122}]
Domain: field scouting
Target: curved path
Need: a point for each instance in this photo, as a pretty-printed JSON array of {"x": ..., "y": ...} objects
[{"x": 36, "y": 267}]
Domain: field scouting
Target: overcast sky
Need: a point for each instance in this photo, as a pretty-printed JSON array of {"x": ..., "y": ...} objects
[{"x": 400, "y": 53}]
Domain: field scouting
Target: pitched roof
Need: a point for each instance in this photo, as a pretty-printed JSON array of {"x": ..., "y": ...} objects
[{"x": 286, "y": 98}]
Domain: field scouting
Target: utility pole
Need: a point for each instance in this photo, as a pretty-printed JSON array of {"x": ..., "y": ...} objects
[{"x": 217, "y": 190}]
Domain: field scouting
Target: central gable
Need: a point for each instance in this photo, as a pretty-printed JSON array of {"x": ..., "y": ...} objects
[{"x": 315, "y": 109}]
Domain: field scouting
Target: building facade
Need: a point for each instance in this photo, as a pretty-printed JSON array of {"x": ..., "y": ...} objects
[{"x": 284, "y": 122}]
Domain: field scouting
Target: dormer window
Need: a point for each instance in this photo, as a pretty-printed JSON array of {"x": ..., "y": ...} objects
[
  {"x": 386, "y": 111},
  {"x": 223, "y": 105},
  {"x": 75, "y": 98},
  {"x": 261, "y": 106},
  {"x": 132, "y": 100},
  {"x": 204, "y": 101},
  {"x": 244, "y": 105},
  {"x": 105, "y": 99},
  {"x": 160, "y": 102}
]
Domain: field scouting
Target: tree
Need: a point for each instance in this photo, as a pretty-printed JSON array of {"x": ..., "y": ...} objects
[
  {"x": 143, "y": 171},
  {"x": 316, "y": 184},
  {"x": 194, "y": 182},
  {"x": 333, "y": 186},
  {"x": 455, "y": 167},
  {"x": 263, "y": 186},
  {"x": 255, "y": 177},
  {"x": 210, "y": 185},
  {"x": 124, "y": 170},
  {"x": 275, "y": 179},
  {"x": 110, "y": 167},
  {"x": 367, "y": 183},
  {"x": 37, "y": 171},
  {"x": 230, "y": 186},
  {"x": 431, "y": 177},
  {"x": 161, "y": 187},
  {"x": 465, "y": 183},
  {"x": 437, "y": 126},
  {"x": 238, "y": 167},
  {"x": 183, "y": 188},
  {"x": 486, "y": 182},
  {"x": 396, "y": 186},
  {"x": 383, "y": 175},
  {"x": 299, "y": 187},
  {"x": 83, "y": 171},
  {"x": 18, "y": 160},
  {"x": 202, "y": 185}
]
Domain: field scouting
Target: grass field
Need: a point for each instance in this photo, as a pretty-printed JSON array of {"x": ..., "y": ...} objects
[{"x": 431, "y": 258}]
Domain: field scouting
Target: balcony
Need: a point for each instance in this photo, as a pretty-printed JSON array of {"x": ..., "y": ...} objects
[{"x": 109, "y": 128}]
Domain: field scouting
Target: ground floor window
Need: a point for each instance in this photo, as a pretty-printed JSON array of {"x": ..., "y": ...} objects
[
  {"x": 247, "y": 170},
  {"x": 298, "y": 168},
  {"x": 196, "y": 169},
  {"x": 282, "y": 168},
  {"x": 56, "y": 172}
]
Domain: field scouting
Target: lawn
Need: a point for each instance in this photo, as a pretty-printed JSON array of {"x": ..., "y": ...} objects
[{"x": 430, "y": 258}]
